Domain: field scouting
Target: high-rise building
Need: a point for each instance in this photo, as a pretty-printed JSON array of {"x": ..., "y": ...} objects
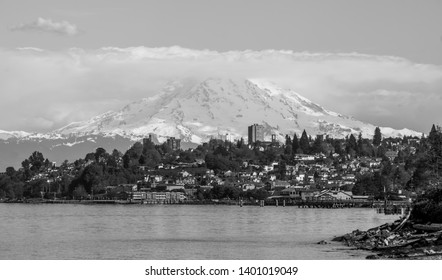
[
  {"x": 173, "y": 143},
  {"x": 256, "y": 133}
]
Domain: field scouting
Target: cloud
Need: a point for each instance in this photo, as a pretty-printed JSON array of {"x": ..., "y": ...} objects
[
  {"x": 76, "y": 84},
  {"x": 48, "y": 26}
]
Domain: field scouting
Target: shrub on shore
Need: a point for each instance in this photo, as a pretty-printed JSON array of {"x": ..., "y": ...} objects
[{"x": 428, "y": 207}]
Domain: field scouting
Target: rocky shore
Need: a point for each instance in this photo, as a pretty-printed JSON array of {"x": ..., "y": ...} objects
[{"x": 402, "y": 239}]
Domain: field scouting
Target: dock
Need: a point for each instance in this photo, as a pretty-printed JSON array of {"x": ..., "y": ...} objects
[{"x": 382, "y": 206}]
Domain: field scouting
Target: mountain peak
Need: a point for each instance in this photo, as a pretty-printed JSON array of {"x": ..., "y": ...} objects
[{"x": 195, "y": 111}]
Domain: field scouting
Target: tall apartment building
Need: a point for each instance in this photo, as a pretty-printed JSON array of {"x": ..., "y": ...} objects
[
  {"x": 173, "y": 143},
  {"x": 256, "y": 133}
]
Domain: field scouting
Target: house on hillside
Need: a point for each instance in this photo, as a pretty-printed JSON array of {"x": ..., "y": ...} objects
[
  {"x": 391, "y": 154},
  {"x": 246, "y": 187},
  {"x": 304, "y": 157},
  {"x": 279, "y": 184}
]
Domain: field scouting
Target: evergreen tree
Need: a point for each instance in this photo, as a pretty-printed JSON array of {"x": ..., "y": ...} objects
[
  {"x": 240, "y": 143},
  {"x": 380, "y": 152},
  {"x": 282, "y": 169},
  {"x": 377, "y": 138},
  {"x": 288, "y": 140},
  {"x": 295, "y": 144},
  {"x": 433, "y": 136},
  {"x": 337, "y": 146},
  {"x": 150, "y": 157},
  {"x": 288, "y": 145},
  {"x": 317, "y": 145},
  {"x": 435, "y": 149},
  {"x": 360, "y": 145},
  {"x": 351, "y": 145},
  {"x": 142, "y": 160},
  {"x": 304, "y": 144}
]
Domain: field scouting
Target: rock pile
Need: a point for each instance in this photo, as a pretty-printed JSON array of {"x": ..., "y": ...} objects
[{"x": 399, "y": 240}]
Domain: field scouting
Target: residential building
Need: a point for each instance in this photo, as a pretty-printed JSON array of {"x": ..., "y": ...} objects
[
  {"x": 255, "y": 133},
  {"x": 173, "y": 143}
]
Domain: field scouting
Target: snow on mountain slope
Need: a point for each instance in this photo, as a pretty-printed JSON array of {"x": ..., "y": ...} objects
[
  {"x": 195, "y": 111},
  {"x": 4, "y": 135}
]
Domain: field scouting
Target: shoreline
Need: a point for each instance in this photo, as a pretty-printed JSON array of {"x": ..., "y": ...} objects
[
  {"x": 400, "y": 240},
  {"x": 392, "y": 208},
  {"x": 260, "y": 203}
]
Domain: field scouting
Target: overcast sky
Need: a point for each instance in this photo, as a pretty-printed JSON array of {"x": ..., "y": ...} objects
[{"x": 63, "y": 61}]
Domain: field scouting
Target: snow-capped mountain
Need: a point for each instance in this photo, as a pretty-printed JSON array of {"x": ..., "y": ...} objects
[
  {"x": 12, "y": 134},
  {"x": 195, "y": 111}
]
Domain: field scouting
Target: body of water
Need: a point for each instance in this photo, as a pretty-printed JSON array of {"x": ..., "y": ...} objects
[{"x": 54, "y": 231}]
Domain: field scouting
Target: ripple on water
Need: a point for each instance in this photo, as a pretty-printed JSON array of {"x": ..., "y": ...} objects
[{"x": 178, "y": 232}]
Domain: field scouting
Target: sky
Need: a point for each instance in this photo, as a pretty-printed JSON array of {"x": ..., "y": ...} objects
[{"x": 64, "y": 61}]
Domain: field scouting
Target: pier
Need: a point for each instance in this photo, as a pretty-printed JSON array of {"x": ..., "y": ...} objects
[
  {"x": 349, "y": 203},
  {"x": 381, "y": 206}
]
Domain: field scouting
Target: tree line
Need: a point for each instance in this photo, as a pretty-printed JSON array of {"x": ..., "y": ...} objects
[{"x": 412, "y": 169}]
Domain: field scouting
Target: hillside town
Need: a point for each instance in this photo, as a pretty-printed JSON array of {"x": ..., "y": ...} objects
[{"x": 222, "y": 171}]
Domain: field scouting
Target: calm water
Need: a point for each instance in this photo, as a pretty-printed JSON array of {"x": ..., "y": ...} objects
[{"x": 178, "y": 232}]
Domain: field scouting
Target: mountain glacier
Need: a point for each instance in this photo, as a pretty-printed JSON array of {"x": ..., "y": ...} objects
[{"x": 196, "y": 111}]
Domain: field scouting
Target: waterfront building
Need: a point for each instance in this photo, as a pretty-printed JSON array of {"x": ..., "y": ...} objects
[
  {"x": 333, "y": 195},
  {"x": 157, "y": 197}
]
